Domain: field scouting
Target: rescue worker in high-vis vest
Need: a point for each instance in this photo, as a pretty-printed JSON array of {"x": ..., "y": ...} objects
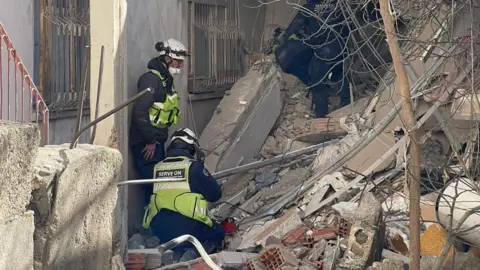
[
  {"x": 179, "y": 204},
  {"x": 153, "y": 115}
]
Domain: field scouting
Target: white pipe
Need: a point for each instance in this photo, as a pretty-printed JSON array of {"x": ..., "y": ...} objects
[
  {"x": 186, "y": 237},
  {"x": 464, "y": 193}
]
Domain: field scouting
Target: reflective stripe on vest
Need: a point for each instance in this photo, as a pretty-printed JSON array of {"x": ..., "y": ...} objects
[
  {"x": 167, "y": 113},
  {"x": 175, "y": 195}
]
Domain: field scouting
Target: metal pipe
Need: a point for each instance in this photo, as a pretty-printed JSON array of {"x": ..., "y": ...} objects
[
  {"x": 114, "y": 110},
  {"x": 99, "y": 86},
  {"x": 82, "y": 93},
  {"x": 184, "y": 238},
  {"x": 279, "y": 158},
  {"x": 242, "y": 168}
]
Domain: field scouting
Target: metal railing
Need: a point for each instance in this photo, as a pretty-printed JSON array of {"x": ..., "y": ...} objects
[
  {"x": 20, "y": 99},
  {"x": 64, "y": 40},
  {"x": 215, "y": 39}
]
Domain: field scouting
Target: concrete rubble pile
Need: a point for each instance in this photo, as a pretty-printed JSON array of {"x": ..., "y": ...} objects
[
  {"x": 59, "y": 203},
  {"x": 345, "y": 206}
]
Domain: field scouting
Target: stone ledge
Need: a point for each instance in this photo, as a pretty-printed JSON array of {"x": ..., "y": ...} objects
[
  {"x": 18, "y": 144},
  {"x": 16, "y": 247},
  {"x": 74, "y": 199}
]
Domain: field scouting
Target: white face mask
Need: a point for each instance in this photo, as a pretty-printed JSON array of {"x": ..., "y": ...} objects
[{"x": 173, "y": 71}]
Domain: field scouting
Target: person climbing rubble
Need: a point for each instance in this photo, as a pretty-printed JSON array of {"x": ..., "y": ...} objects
[
  {"x": 179, "y": 204},
  {"x": 153, "y": 115},
  {"x": 325, "y": 39}
]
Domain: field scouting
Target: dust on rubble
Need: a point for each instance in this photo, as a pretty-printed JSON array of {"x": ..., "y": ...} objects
[{"x": 290, "y": 124}]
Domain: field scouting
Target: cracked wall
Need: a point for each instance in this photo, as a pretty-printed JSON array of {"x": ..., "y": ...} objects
[{"x": 74, "y": 197}]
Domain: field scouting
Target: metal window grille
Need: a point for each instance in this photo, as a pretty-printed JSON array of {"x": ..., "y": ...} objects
[
  {"x": 215, "y": 41},
  {"x": 64, "y": 37}
]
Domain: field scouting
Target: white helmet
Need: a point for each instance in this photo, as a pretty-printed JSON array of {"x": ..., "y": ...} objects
[
  {"x": 186, "y": 135},
  {"x": 175, "y": 49}
]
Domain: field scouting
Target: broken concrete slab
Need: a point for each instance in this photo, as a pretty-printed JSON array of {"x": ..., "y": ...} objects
[
  {"x": 367, "y": 235},
  {"x": 16, "y": 247},
  {"x": 373, "y": 152},
  {"x": 235, "y": 134},
  {"x": 258, "y": 235},
  {"x": 19, "y": 143},
  {"x": 329, "y": 154},
  {"x": 78, "y": 232}
]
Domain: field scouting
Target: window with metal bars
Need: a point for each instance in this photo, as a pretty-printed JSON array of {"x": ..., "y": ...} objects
[
  {"x": 215, "y": 40},
  {"x": 64, "y": 33}
]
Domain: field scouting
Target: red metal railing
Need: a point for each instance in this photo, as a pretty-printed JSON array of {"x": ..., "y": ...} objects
[{"x": 20, "y": 99}]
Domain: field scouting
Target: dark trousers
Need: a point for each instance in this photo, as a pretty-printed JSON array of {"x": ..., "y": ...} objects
[
  {"x": 167, "y": 225},
  {"x": 145, "y": 167},
  {"x": 319, "y": 68}
]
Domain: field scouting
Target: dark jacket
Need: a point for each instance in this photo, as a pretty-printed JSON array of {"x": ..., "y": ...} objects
[
  {"x": 141, "y": 130},
  {"x": 169, "y": 224},
  {"x": 330, "y": 31}
]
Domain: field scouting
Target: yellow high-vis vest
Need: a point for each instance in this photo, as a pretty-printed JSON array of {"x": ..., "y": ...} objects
[
  {"x": 165, "y": 114},
  {"x": 174, "y": 192}
]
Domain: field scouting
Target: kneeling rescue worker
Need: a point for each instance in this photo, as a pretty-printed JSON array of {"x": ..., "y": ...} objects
[{"x": 179, "y": 204}]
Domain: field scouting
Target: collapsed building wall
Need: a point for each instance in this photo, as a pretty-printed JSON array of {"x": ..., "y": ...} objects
[{"x": 243, "y": 118}]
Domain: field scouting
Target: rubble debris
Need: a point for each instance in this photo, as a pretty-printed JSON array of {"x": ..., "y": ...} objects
[
  {"x": 392, "y": 256},
  {"x": 255, "y": 264},
  {"x": 367, "y": 234},
  {"x": 135, "y": 261},
  {"x": 317, "y": 250},
  {"x": 343, "y": 228},
  {"x": 397, "y": 243},
  {"x": 347, "y": 210},
  {"x": 277, "y": 228},
  {"x": 332, "y": 255},
  {"x": 293, "y": 237},
  {"x": 137, "y": 241},
  {"x": 277, "y": 257},
  {"x": 387, "y": 264},
  {"x": 265, "y": 179},
  {"x": 321, "y": 130}
]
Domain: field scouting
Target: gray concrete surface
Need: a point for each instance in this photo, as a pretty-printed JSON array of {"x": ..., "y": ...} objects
[
  {"x": 16, "y": 247},
  {"x": 78, "y": 231},
  {"x": 19, "y": 142},
  {"x": 250, "y": 139},
  {"x": 19, "y": 26},
  {"x": 228, "y": 128},
  {"x": 17, "y": 18},
  {"x": 62, "y": 128},
  {"x": 203, "y": 110}
]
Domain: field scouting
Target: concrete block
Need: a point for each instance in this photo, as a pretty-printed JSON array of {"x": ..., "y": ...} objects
[
  {"x": 367, "y": 234},
  {"x": 19, "y": 143},
  {"x": 244, "y": 118},
  {"x": 16, "y": 247},
  {"x": 77, "y": 232}
]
